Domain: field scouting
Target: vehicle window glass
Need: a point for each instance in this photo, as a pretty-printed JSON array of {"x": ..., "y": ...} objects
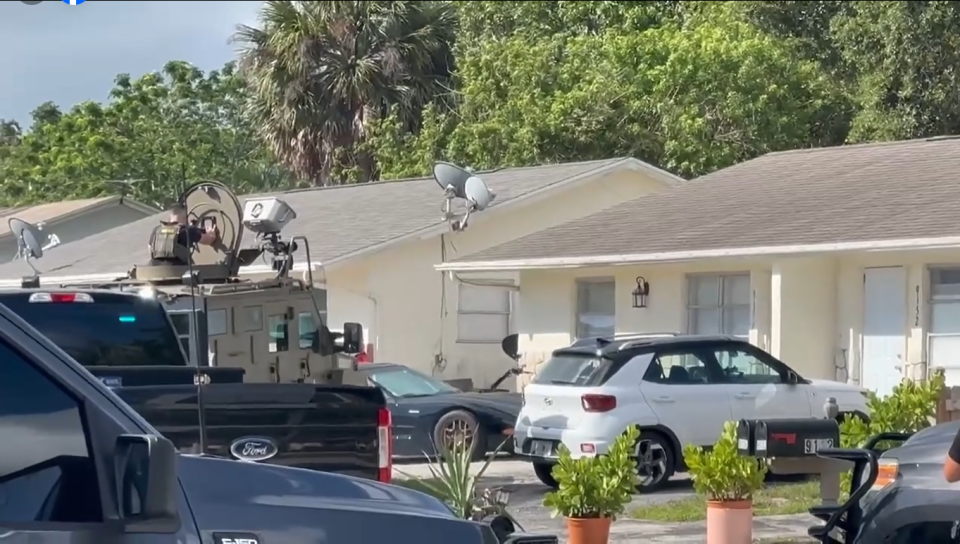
[
  {"x": 216, "y": 322},
  {"x": 252, "y": 319},
  {"x": 307, "y": 329},
  {"x": 113, "y": 330},
  {"x": 46, "y": 472},
  {"x": 575, "y": 370},
  {"x": 677, "y": 369},
  {"x": 740, "y": 366},
  {"x": 278, "y": 333},
  {"x": 406, "y": 383}
]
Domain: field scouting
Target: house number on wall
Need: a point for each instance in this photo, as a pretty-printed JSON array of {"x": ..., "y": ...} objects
[{"x": 916, "y": 319}]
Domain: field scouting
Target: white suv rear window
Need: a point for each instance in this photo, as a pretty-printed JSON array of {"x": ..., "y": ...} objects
[{"x": 574, "y": 370}]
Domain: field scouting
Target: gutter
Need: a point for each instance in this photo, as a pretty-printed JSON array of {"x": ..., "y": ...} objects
[{"x": 909, "y": 244}]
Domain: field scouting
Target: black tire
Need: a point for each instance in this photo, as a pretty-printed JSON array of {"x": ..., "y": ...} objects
[
  {"x": 544, "y": 472},
  {"x": 461, "y": 420},
  {"x": 656, "y": 461}
]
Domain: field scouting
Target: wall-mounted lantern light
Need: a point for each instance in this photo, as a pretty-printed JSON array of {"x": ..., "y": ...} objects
[{"x": 640, "y": 293}]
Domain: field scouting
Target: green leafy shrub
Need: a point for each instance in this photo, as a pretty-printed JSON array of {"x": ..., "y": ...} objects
[
  {"x": 722, "y": 474},
  {"x": 598, "y": 486},
  {"x": 911, "y": 406}
]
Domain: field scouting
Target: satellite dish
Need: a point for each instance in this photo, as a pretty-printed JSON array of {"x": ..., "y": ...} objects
[
  {"x": 458, "y": 182},
  {"x": 31, "y": 242}
]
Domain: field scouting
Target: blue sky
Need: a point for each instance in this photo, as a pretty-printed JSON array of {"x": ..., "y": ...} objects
[{"x": 69, "y": 54}]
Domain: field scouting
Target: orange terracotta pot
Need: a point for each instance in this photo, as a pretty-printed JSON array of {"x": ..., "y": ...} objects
[
  {"x": 588, "y": 530},
  {"x": 729, "y": 522}
]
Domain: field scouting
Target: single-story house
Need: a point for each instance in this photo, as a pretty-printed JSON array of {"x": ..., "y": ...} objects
[
  {"x": 374, "y": 246},
  {"x": 70, "y": 220},
  {"x": 844, "y": 262}
]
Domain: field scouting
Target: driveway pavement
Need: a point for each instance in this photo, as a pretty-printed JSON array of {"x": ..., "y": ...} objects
[{"x": 526, "y": 504}]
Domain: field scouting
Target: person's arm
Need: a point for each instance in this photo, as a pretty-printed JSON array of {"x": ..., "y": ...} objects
[{"x": 951, "y": 465}]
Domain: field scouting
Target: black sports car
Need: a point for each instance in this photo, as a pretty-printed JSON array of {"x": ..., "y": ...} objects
[
  {"x": 903, "y": 497},
  {"x": 428, "y": 412}
]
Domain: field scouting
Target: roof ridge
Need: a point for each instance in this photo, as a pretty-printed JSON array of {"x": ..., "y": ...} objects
[{"x": 914, "y": 141}]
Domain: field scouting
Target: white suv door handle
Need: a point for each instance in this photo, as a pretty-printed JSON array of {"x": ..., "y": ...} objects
[
  {"x": 663, "y": 398},
  {"x": 745, "y": 396}
]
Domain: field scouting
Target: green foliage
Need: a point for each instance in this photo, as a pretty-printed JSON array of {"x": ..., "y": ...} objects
[
  {"x": 722, "y": 474},
  {"x": 595, "y": 486},
  {"x": 454, "y": 484}
]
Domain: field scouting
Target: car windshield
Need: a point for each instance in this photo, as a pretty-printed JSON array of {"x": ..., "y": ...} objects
[
  {"x": 403, "y": 382},
  {"x": 113, "y": 330},
  {"x": 575, "y": 370}
]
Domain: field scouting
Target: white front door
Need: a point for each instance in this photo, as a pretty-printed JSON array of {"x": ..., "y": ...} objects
[
  {"x": 685, "y": 397},
  {"x": 884, "y": 323}
]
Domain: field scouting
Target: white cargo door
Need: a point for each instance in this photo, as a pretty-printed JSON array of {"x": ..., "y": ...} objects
[{"x": 884, "y": 324}]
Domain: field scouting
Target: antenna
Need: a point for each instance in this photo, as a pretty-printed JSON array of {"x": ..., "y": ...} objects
[
  {"x": 30, "y": 244},
  {"x": 458, "y": 182}
]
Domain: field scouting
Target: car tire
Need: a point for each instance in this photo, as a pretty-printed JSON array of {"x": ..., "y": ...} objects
[
  {"x": 544, "y": 472},
  {"x": 656, "y": 461},
  {"x": 446, "y": 431}
]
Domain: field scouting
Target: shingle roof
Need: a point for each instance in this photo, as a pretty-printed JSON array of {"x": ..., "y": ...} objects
[
  {"x": 856, "y": 193},
  {"x": 47, "y": 212},
  {"x": 339, "y": 221}
]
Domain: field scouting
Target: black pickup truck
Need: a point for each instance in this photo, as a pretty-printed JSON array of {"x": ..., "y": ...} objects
[{"x": 128, "y": 342}]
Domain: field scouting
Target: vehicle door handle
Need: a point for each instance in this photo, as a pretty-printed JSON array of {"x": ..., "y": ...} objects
[
  {"x": 663, "y": 398},
  {"x": 745, "y": 396}
]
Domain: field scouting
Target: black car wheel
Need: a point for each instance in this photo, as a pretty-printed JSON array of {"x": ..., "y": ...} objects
[
  {"x": 655, "y": 461},
  {"x": 457, "y": 429},
  {"x": 544, "y": 472}
]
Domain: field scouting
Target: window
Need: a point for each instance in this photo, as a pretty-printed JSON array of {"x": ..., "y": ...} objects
[
  {"x": 216, "y": 322},
  {"x": 46, "y": 472},
  {"x": 578, "y": 370},
  {"x": 719, "y": 305},
  {"x": 483, "y": 313},
  {"x": 740, "y": 366},
  {"x": 252, "y": 319},
  {"x": 406, "y": 383},
  {"x": 944, "y": 334},
  {"x": 279, "y": 340},
  {"x": 596, "y": 307},
  {"x": 307, "y": 329},
  {"x": 677, "y": 369}
]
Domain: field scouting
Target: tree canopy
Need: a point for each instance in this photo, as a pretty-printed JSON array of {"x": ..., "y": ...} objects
[{"x": 346, "y": 92}]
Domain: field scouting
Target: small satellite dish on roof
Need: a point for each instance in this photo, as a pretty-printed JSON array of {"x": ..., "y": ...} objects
[
  {"x": 31, "y": 241},
  {"x": 458, "y": 182}
]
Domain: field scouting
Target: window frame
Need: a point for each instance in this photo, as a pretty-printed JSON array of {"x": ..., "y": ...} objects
[
  {"x": 588, "y": 280},
  {"x": 721, "y": 304},
  {"x": 703, "y": 353},
  {"x": 932, "y": 301},
  {"x": 508, "y": 287},
  {"x": 778, "y": 366}
]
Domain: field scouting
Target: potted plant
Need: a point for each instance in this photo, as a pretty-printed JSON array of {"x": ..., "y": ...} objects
[
  {"x": 593, "y": 490},
  {"x": 728, "y": 480}
]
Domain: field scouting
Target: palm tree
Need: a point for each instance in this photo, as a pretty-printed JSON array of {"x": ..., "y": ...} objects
[{"x": 322, "y": 72}]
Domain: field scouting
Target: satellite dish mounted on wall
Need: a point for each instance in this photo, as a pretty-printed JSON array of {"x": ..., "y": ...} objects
[
  {"x": 458, "y": 182},
  {"x": 31, "y": 242}
]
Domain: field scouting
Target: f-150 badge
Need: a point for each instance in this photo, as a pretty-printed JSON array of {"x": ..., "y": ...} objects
[{"x": 235, "y": 538}]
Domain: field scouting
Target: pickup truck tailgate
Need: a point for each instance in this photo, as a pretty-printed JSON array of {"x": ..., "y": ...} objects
[{"x": 328, "y": 428}]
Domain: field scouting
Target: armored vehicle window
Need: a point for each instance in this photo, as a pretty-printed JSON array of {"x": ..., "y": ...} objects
[
  {"x": 307, "y": 329},
  {"x": 279, "y": 340},
  {"x": 252, "y": 318},
  {"x": 216, "y": 322},
  {"x": 101, "y": 328},
  {"x": 46, "y": 472}
]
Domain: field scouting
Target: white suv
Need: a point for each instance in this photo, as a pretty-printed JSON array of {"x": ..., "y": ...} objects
[{"x": 677, "y": 389}]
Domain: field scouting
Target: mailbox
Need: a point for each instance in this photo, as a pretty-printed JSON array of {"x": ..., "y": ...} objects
[
  {"x": 795, "y": 437},
  {"x": 746, "y": 437}
]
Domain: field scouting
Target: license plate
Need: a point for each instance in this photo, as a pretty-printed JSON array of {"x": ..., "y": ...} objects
[
  {"x": 813, "y": 445},
  {"x": 541, "y": 448}
]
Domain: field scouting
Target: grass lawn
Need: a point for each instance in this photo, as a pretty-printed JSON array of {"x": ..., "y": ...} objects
[{"x": 775, "y": 500}]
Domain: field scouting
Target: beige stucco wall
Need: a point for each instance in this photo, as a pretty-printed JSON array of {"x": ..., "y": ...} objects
[
  {"x": 808, "y": 311},
  {"x": 397, "y": 293},
  {"x": 79, "y": 227}
]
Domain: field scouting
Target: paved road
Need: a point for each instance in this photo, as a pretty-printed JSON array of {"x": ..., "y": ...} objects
[{"x": 527, "y": 495}]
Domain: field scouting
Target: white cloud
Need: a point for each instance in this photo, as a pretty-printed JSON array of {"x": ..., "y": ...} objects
[{"x": 68, "y": 54}]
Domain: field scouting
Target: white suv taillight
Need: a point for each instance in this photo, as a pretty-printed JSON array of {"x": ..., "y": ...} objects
[
  {"x": 384, "y": 446},
  {"x": 60, "y": 297},
  {"x": 598, "y": 403}
]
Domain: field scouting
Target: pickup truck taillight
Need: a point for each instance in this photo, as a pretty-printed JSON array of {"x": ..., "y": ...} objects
[
  {"x": 384, "y": 446},
  {"x": 598, "y": 403}
]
